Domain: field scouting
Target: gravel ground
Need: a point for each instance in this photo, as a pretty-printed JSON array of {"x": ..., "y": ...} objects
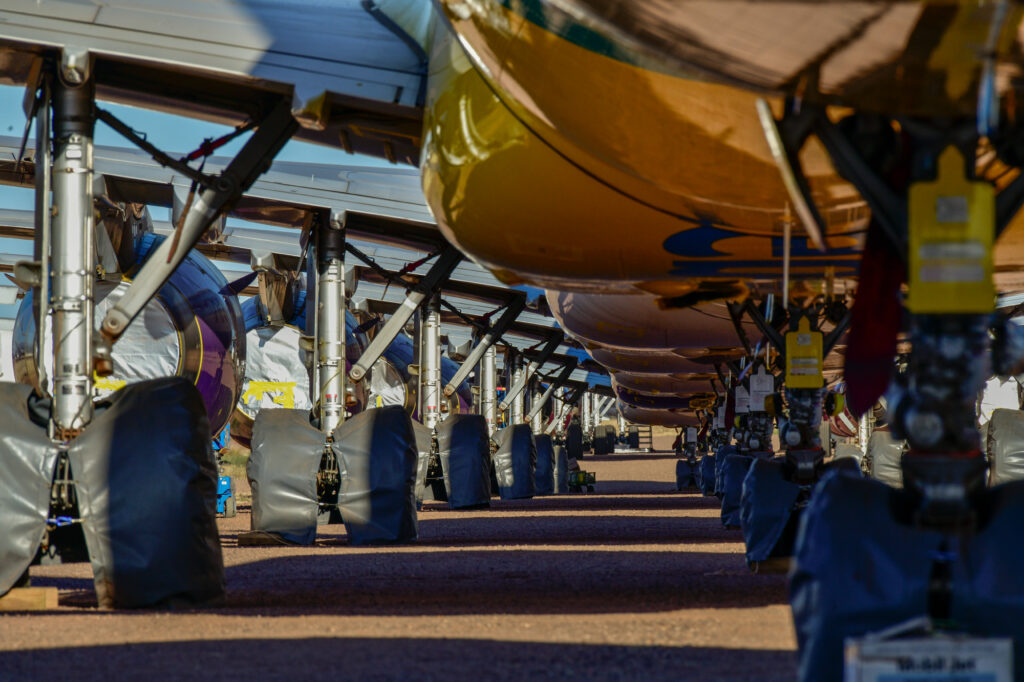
[{"x": 632, "y": 582}]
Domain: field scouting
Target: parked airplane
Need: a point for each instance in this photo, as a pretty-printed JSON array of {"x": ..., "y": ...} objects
[{"x": 580, "y": 151}]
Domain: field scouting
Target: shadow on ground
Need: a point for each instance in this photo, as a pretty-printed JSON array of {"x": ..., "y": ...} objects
[
  {"x": 555, "y": 529},
  {"x": 664, "y": 497},
  {"x": 411, "y": 582},
  {"x": 429, "y": 658},
  {"x": 408, "y": 581}
]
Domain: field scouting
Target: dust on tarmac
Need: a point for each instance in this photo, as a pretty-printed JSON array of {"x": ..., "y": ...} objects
[{"x": 633, "y": 582}]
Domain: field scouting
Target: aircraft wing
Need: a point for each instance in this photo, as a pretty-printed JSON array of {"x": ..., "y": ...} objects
[
  {"x": 387, "y": 202},
  {"x": 355, "y": 79}
]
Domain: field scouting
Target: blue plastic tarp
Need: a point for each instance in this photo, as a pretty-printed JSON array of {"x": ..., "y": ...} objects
[
  {"x": 766, "y": 507},
  {"x": 860, "y": 566},
  {"x": 706, "y": 474},
  {"x": 733, "y": 473}
]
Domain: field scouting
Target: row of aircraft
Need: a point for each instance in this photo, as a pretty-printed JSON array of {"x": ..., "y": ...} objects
[{"x": 732, "y": 208}]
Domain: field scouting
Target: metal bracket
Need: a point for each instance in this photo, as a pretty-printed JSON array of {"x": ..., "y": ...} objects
[
  {"x": 562, "y": 377},
  {"x": 770, "y": 333},
  {"x": 833, "y": 336},
  {"x": 546, "y": 352},
  {"x": 785, "y": 150},
  {"x": 440, "y": 271},
  {"x": 493, "y": 334},
  {"x": 736, "y": 313},
  {"x": 44, "y": 230},
  {"x": 254, "y": 158},
  {"x": 602, "y": 407},
  {"x": 887, "y": 207}
]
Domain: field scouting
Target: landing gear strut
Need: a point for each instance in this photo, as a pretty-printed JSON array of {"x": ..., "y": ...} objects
[{"x": 155, "y": 541}]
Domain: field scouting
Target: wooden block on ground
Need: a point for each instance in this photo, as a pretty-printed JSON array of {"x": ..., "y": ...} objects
[{"x": 29, "y": 599}]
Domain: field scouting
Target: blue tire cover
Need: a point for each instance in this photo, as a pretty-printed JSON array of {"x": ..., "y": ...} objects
[{"x": 861, "y": 566}]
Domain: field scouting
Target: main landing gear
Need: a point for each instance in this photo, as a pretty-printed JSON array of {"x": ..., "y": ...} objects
[{"x": 128, "y": 484}]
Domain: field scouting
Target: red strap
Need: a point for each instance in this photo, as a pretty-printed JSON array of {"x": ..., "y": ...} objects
[
  {"x": 874, "y": 323},
  {"x": 409, "y": 267},
  {"x": 730, "y": 404}
]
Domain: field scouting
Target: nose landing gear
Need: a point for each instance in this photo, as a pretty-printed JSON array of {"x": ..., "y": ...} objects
[{"x": 870, "y": 558}]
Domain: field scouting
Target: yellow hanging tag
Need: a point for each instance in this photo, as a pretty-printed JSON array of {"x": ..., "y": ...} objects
[
  {"x": 838, "y": 404},
  {"x": 804, "y": 357},
  {"x": 952, "y": 225}
]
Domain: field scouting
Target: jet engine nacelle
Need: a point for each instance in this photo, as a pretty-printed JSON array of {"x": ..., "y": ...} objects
[
  {"x": 637, "y": 323},
  {"x": 641, "y": 415},
  {"x": 192, "y": 328},
  {"x": 664, "y": 384},
  {"x": 647, "y": 361}
]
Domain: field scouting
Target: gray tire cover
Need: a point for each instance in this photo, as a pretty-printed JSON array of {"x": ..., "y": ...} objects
[
  {"x": 544, "y": 474},
  {"x": 733, "y": 474},
  {"x": 1005, "y": 446},
  {"x": 147, "y": 492},
  {"x": 423, "y": 436},
  {"x": 27, "y": 460},
  {"x": 561, "y": 470},
  {"x": 515, "y": 462},
  {"x": 766, "y": 505},
  {"x": 465, "y": 452},
  {"x": 686, "y": 474},
  {"x": 286, "y": 454},
  {"x": 886, "y": 455},
  {"x": 574, "y": 441},
  {"x": 377, "y": 455}
]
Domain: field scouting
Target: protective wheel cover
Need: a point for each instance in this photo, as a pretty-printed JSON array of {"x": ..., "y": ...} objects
[{"x": 148, "y": 497}]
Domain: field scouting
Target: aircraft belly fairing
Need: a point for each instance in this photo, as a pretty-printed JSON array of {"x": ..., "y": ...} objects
[
  {"x": 666, "y": 384},
  {"x": 670, "y": 418},
  {"x": 646, "y": 361},
  {"x": 913, "y": 57},
  {"x": 597, "y": 200}
]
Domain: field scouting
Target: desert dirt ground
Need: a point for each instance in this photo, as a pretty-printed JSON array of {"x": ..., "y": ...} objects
[{"x": 633, "y": 582}]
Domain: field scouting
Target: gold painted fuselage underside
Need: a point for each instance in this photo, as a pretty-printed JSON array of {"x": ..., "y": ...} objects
[{"x": 559, "y": 166}]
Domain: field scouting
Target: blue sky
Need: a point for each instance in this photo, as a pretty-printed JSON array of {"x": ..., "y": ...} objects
[{"x": 168, "y": 132}]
